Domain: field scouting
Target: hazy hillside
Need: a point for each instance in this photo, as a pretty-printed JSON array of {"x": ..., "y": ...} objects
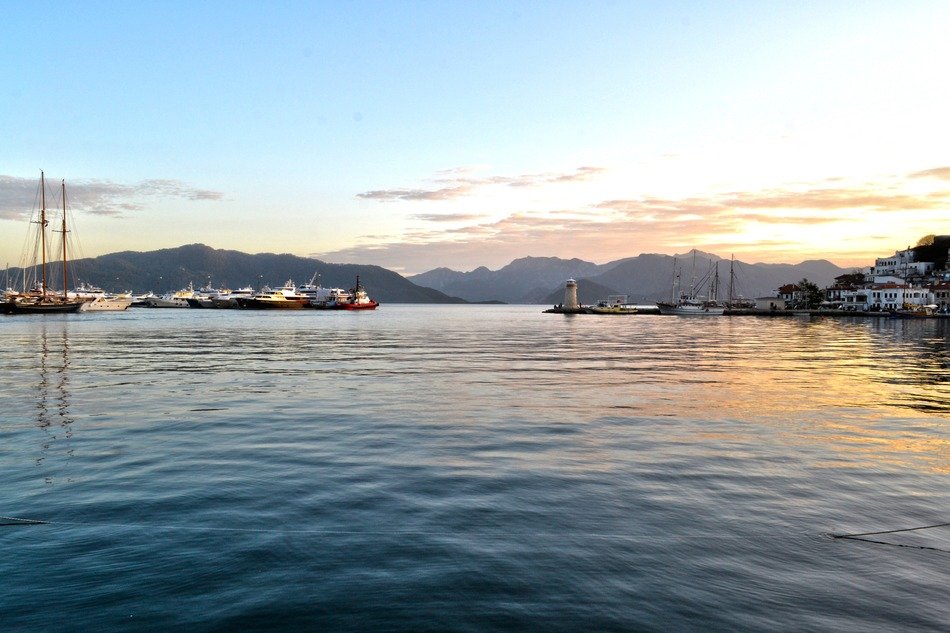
[
  {"x": 645, "y": 278},
  {"x": 525, "y": 280},
  {"x": 174, "y": 268},
  {"x": 649, "y": 277}
]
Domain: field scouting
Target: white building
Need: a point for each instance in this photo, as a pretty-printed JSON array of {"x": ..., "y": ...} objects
[
  {"x": 941, "y": 296},
  {"x": 856, "y": 299},
  {"x": 769, "y": 303},
  {"x": 901, "y": 264},
  {"x": 898, "y": 296}
]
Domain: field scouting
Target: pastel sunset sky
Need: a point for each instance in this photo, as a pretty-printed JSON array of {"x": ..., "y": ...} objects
[{"x": 414, "y": 135}]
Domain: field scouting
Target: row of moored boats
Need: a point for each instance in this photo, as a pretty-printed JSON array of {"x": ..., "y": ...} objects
[{"x": 287, "y": 297}]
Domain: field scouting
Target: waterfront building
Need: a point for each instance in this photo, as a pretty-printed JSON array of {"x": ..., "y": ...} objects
[
  {"x": 848, "y": 292},
  {"x": 769, "y": 303},
  {"x": 892, "y": 296},
  {"x": 901, "y": 264},
  {"x": 940, "y": 294},
  {"x": 790, "y": 294}
]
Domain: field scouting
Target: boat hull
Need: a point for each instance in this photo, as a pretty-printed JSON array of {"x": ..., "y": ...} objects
[
  {"x": 57, "y": 307},
  {"x": 372, "y": 305},
  {"x": 609, "y": 310},
  {"x": 158, "y": 302},
  {"x": 264, "y": 304},
  {"x": 690, "y": 310},
  {"x": 117, "y": 304}
]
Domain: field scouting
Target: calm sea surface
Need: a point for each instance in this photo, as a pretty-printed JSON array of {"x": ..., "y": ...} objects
[{"x": 472, "y": 468}]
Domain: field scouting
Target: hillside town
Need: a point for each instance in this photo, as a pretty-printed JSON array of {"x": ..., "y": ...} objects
[{"x": 915, "y": 279}]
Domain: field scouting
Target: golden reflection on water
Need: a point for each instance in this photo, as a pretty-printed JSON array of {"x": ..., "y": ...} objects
[{"x": 873, "y": 392}]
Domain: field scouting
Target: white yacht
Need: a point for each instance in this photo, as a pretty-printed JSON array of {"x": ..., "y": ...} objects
[{"x": 172, "y": 299}]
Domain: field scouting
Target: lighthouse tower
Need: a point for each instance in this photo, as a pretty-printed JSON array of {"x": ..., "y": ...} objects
[{"x": 570, "y": 295}]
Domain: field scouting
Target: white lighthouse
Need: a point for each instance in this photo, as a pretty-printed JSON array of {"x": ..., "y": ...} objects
[{"x": 570, "y": 295}]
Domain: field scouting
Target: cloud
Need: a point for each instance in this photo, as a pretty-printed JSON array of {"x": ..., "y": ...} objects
[
  {"x": 943, "y": 173},
  {"x": 833, "y": 199},
  {"x": 448, "y": 217},
  {"x": 20, "y": 196},
  {"x": 458, "y": 183},
  {"x": 447, "y": 193}
]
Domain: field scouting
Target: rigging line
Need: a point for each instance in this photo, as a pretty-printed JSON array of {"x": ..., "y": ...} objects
[
  {"x": 867, "y": 540},
  {"x": 923, "y": 527}
]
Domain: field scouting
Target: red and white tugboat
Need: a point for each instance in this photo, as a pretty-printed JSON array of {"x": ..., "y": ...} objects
[{"x": 357, "y": 300}]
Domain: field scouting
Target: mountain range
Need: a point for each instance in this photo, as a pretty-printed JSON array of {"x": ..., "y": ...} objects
[
  {"x": 530, "y": 280},
  {"x": 644, "y": 279},
  {"x": 174, "y": 268}
]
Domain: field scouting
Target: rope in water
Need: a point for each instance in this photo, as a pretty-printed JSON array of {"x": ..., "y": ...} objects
[
  {"x": 325, "y": 531},
  {"x": 11, "y": 521},
  {"x": 859, "y": 537},
  {"x": 19, "y": 521}
]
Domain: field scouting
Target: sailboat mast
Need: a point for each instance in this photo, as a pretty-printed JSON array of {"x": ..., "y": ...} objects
[
  {"x": 692, "y": 272},
  {"x": 675, "y": 280},
  {"x": 732, "y": 279},
  {"x": 715, "y": 291},
  {"x": 65, "y": 279},
  {"x": 43, "y": 228}
]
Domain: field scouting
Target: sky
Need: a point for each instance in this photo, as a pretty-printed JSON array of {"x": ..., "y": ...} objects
[{"x": 415, "y": 135}]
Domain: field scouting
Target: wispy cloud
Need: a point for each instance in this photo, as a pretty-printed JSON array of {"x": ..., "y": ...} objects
[
  {"x": 447, "y": 193},
  {"x": 19, "y": 196},
  {"x": 448, "y": 217},
  {"x": 943, "y": 173},
  {"x": 458, "y": 182}
]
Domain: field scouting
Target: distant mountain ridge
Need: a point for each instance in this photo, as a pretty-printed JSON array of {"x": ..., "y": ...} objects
[
  {"x": 644, "y": 279},
  {"x": 174, "y": 268}
]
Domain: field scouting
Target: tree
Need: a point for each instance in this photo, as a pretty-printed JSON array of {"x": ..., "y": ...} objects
[
  {"x": 926, "y": 240},
  {"x": 810, "y": 294}
]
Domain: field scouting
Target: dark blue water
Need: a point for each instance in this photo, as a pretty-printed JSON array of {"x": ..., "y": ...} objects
[{"x": 467, "y": 468}]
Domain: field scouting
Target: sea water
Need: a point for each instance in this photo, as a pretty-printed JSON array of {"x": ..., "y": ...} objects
[{"x": 472, "y": 468}]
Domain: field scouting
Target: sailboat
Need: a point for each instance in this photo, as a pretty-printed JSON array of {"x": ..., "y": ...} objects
[
  {"x": 691, "y": 303},
  {"x": 40, "y": 299}
]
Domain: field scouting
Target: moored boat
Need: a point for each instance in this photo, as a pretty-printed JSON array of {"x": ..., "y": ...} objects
[
  {"x": 355, "y": 299},
  {"x": 691, "y": 307},
  {"x": 40, "y": 299},
  {"x": 177, "y": 299},
  {"x": 284, "y": 298},
  {"x": 613, "y": 304},
  {"x": 229, "y": 298},
  {"x": 107, "y": 303},
  {"x": 692, "y": 303}
]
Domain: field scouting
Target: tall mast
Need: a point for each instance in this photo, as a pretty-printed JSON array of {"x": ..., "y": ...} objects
[
  {"x": 65, "y": 279},
  {"x": 715, "y": 291},
  {"x": 43, "y": 228},
  {"x": 692, "y": 272},
  {"x": 732, "y": 279},
  {"x": 675, "y": 279}
]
